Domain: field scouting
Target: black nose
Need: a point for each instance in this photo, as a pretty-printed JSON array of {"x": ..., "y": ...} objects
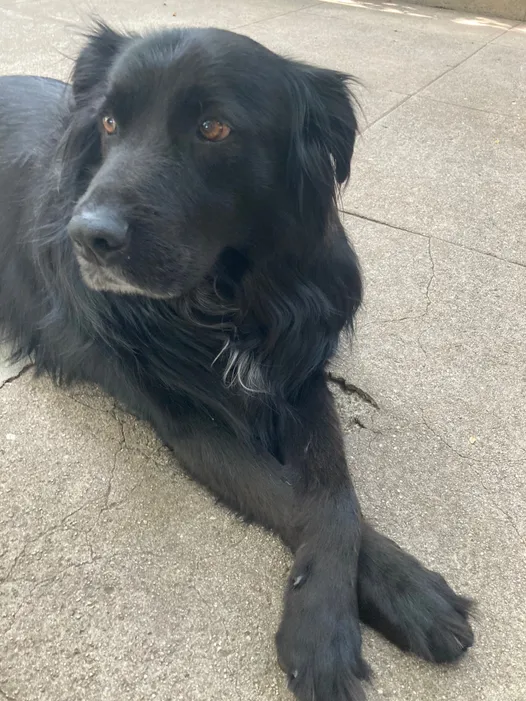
[{"x": 100, "y": 233}]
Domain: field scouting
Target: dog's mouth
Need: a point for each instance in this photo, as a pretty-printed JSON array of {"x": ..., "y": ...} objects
[
  {"x": 108, "y": 279},
  {"x": 112, "y": 278}
]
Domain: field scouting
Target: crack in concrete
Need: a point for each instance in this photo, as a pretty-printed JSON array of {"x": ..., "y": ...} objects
[
  {"x": 153, "y": 455},
  {"x": 412, "y": 317},
  {"x": 443, "y": 440},
  {"x": 89, "y": 406},
  {"x": 449, "y": 242},
  {"x": 29, "y": 598},
  {"x": 106, "y": 506},
  {"x": 14, "y": 617},
  {"x": 88, "y": 544},
  {"x": 408, "y": 317},
  {"x": 21, "y": 372},
  {"x": 471, "y": 458},
  {"x": 123, "y": 445},
  {"x": 418, "y": 93},
  {"x": 431, "y": 279},
  {"x": 508, "y": 516},
  {"x": 272, "y": 17},
  {"x": 350, "y": 388},
  {"x": 505, "y": 115},
  {"x": 51, "y": 529},
  {"x": 428, "y": 298},
  {"x": 53, "y": 577},
  {"x": 474, "y": 461},
  {"x": 14, "y": 564},
  {"x": 120, "y": 449}
]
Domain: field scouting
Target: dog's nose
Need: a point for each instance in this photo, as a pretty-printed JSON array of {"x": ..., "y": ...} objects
[{"x": 100, "y": 233}]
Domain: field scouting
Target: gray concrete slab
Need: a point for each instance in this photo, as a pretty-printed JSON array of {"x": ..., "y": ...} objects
[
  {"x": 376, "y": 45},
  {"x": 452, "y": 335},
  {"x": 450, "y": 171},
  {"x": 434, "y": 503},
  {"x": 514, "y": 38},
  {"x": 513, "y": 9},
  {"x": 34, "y": 45},
  {"x": 119, "y": 577},
  {"x": 499, "y": 65},
  {"x": 42, "y": 36},
  {"x": 222, "y": 13}
]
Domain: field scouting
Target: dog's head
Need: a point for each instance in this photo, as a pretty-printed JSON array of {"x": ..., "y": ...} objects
[{"x": 194, "y": 143}]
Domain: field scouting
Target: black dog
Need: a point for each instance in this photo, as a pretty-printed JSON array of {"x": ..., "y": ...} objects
[{"x": 169, "y": 231}]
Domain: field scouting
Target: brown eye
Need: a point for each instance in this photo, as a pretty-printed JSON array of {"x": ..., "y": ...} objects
[
  {"x": 213, "y": 130},
  {"x": 109, "y": 124}
]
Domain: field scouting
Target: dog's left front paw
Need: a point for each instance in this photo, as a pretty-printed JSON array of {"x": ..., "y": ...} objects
[
  {"x": 412, "y": 606},
  {"x": 319, "y": 641}
]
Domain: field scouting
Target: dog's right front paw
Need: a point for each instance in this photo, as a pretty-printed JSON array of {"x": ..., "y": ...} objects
[{"x": 319, "y": 642}]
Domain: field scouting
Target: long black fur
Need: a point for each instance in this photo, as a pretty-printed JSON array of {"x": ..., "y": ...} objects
[{"x": 237, "y": 281}]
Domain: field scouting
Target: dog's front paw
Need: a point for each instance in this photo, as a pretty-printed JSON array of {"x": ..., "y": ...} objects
[
  {"x": 412, "y": 606},
  {"x": 437, "y": 620},
  {"x": 319, "y": 640}
]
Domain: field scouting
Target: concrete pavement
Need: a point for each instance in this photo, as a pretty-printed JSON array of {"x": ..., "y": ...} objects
[{"x": 121, "y": 580}]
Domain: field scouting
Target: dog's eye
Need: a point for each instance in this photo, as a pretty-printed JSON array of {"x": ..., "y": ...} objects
[
  {"x": 109, "y": 124},
  {"x": 214, "y": 130}
]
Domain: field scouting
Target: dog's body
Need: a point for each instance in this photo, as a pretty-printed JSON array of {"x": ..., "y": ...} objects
[{"x": 168, "y": 231}]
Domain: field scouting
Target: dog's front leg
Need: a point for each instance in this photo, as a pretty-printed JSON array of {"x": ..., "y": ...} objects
[
  {"x": 310, "y": 502},
  {"x": 319, "y": 638}
]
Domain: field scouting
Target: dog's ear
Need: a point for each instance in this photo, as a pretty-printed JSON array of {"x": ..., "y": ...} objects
[
  {"x": 79, "y": 147},
  {"x": 95, "y": 59},
  {"x": 323, "y": 132}
]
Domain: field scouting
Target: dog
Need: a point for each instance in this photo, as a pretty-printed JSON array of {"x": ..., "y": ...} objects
[{"x": 169, "y": 231}]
